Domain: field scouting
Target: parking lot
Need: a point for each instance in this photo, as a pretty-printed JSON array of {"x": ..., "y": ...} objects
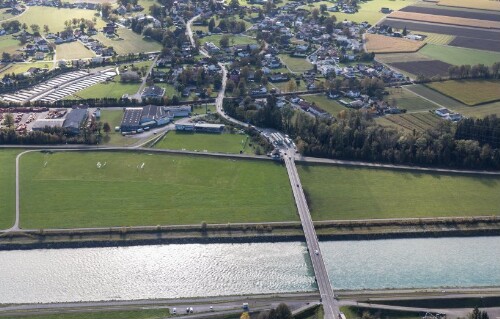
[{"x": 60, "y": 86}]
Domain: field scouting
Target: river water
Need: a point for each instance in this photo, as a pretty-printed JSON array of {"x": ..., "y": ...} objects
[{"x": 193, "y": 270}]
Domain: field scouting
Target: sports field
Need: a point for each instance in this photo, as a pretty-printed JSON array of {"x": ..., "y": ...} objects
[
  {"x": 73, "y": 50},
  {"x": 65, "y": 190},
  {"x": 379, "y": 193},
  {"x": 8, "y": 187},
  {"x": 129, "y": 42},
  {"x": 470, "y": 92},
  {"x": 459, "y": 56},
  {"x": 55, "y": 17},
  {"x": 223, "y": 143}
]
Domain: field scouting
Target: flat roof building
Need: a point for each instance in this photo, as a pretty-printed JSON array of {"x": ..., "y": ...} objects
[
  {"x": 75, "y": 119},
  {"x": 131, "y": 119}
]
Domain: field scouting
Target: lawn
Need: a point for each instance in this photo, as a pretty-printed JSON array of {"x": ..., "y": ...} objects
[
  {"x": 18, "y": 68},
  {"x": 55, "y": 17},
  {"x": 297, "y": 65},
  {"x": 8, "y": 187},
  {"x": 459, "y": 56},
  {"x": 9, "y": 45},
  {"x": 114, "y": 118},
  {"x": 73, "y": 50},
  {"x": 112, "y": 89},
  {"x": 223, "y": 143},
  {"x": 331, "y": 106},
  {"x": 128, "y": 42},
  {"x": 352, "y": 312},
  {"x": 408, "y": 100},
  {"x": 110, "y": 314},
  {"x": 470, "y": 92},
  {"x": 233, "y": 39},
  {"x": 381, "y": 193},
  {"x": 63, "y": 190},
  {"x": 4, "y": 15}
]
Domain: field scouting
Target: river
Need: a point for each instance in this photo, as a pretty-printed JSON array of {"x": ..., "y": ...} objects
[{"x": 192, "y": 270}]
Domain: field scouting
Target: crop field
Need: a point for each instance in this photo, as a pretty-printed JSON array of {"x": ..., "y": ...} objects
[
  {"x": 412, "y": 121},
  {"x": 55, "y": 17},
  {"x": 8, "y": 187},
  {"x": 128, "y": 42},
  {"x": 149, "y": 189},
  {"x": 460, "y": 56},
  {"x": 408, "y": 100},
  {"x": 401, "y": 57},
  {"x": 297, "y": 65},
  {"x": 73, "y": 50},
  {"x": 382, "y": 44},
  {"x": 222, "y": 143},
  {"x": 331, "y": 106},
  {"x": 435, "y": 38},
  {"x": 112, "y": 89},
  {"x": 480, "y": 44},
  {"x": 472, "y": 4},
  {"x": 426, "y": 68},
  {"x": 453, "y": 12},
  {"x": 380, "y": 193},
  {"x": 431, "y": 18},
  {"x": 470, "y": 92}
]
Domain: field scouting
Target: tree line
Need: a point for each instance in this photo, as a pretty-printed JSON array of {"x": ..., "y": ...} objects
[{"x": 355, "y": 136}]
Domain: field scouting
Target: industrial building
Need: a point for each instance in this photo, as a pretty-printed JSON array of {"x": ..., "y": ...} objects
[
  {"x": 200, "y": 127},
  {"x": 131, "y": 119},
  {"x": 40, "y": 125},
  {"x": 135, "y": 118},
  {"x": 178, "y": 111},
  {"x": 75, "y": 119}
]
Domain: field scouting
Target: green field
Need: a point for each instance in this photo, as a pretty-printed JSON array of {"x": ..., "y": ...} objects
[
  {"x": 459, "y": 56},
  {"x": 419, "y": 122},
  {"x": 73, "y": 50},
  {"x": 4, "y": 15},
  {"x": 470, "y": 92},
  {"x": 352, "y": 312},
  {"x": 331, "y": 106},
  {"x": 408, "y": 100},
  {"x": 112, "y": 89},
  {"x": 114, "y": 118},
  {"x": 233, "y": 39},
  {"x": 64, "y": 190},
  {"x": 297, "y": 65},
  {"x": 129, "y": 42},
  {"x": 126, "y": 314},
  {"x": 8, "y": 187},
  {"x": 18, "y": 68},
  {"x": 9, "y": 45},
  {"x": 379, "y": 193},
  {"x": 55, "y": 17},
  {"x": 223, "y": 143}
]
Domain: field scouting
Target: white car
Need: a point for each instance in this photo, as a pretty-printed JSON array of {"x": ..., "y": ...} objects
[
  {"x": 316, "y": 252},
  {"x": 174, "y": 311}
]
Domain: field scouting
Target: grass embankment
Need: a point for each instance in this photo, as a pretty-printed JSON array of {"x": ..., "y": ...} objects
[
  {"x": 223, "y": 143},
  {"x": 470, "y": 92},
  {"x": 380, "y": 193},
  {"x": 8, "y": 187},
  {"x": 459, "y": 56},
  {"x": 65, "y": 190},
  {"x": 126, "y": 314},
  {"x": 353, "y": 312}
]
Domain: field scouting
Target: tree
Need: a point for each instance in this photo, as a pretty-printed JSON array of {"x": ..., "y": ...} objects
[
  {"x": 283, "y": 312},
  {"x": 106, "y": 128},
  {"x": 46, "y": 28},
  {"x": 234, "y": 4},
  {"x": 35, "y": 28},
  {"x": 211, "y": 25},
  {"x": 245, "y": 315},
  {"x": 315, "y": 13},
  {"x": 291, "y": 86},
  {"x": 323, "y": 8},
  {"x": 106, "y": 10},
  {"x": 224, "y": 41},
  {"x": 8, "y": 120},
  {"x": 478, "y": 314},
  {"x": 405, "y": 32},
  {"x": 6, "y": 56}
]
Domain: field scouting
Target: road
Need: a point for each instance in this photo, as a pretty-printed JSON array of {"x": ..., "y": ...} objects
[
  {"x": 137, "y": 96},
  {"x": 330, "y": 305}
]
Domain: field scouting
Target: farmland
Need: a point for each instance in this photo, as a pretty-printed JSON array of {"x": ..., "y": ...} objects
[
  {"x": 331, "y": 106},
  {"x": 223, "y": 143},
  {"x": 382, "y": 44},
  {"x": 470, "y": 92},
  {"x": 8, "y": 186},
  {"x": 432, "y": 18},
  {"x": 73, "y": 50},
  {"x": 408, "y": 100},
  {"x": 435, "y": 38},
  {"x": 379, "y": 193},
  {"x": 55, "y": 17},
  {"x": 469, "y": 14},
  {"x": 412, "y": 121},
  {"x": 149, "y": 189},
  {"x": 425, "y": 68},
  {"x": 460, "y": 56},
  {"x": 472, "y": 4},
  {"x": 401, "y": 57},
  {"x": 129, "y": 42},
  {"x": 480, "y": 44}
]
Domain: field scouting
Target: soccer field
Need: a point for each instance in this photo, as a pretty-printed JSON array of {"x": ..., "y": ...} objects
[
  {"x": 65, "y": 190},
  {"x": 337, "y": 192}
]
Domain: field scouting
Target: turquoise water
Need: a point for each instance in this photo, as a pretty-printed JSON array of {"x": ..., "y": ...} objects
[{"x": 193, "y": 270}]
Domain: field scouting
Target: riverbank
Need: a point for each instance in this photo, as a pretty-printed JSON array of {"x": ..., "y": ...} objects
[{"x": 250, "y": 233}]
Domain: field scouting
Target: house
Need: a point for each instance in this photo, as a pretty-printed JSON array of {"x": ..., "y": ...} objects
[
  {"x": 121, "y": 10},
  {"x": 385, "y": 10},
  {"x": 442, "y": 112},
  {"x": 39, "y": 56},
  {"x": 153, "y": 92}
]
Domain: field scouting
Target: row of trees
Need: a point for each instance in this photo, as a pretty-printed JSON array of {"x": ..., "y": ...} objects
[
  {"x": 355, "y": 136},
  {"x": 475, "y": 71}
]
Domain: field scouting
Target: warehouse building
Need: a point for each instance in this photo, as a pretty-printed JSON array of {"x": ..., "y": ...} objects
[
  {"x": 178, "y": 111},
  {"x": 131, "y": 119},
  {"x": 40, "y": 125},
  {"x": 135, "y": 118},
  {"x": 75, "y": 119},
  {"x": 200, "y": 127}
]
